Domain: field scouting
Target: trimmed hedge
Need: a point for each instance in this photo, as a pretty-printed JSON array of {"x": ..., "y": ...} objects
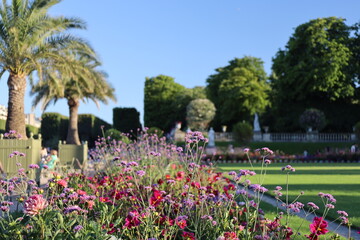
[
  {"x": 126, "y": 120},
  {"x": 54, "y": 127},
  {"x": 29, "y": 128}
]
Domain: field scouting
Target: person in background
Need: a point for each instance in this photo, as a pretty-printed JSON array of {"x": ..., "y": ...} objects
[
  {"x": 51, "y": 160},
  {"x": 43, "y": 154}
]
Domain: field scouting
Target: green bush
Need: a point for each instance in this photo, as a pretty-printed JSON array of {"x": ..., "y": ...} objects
[
  {"x": 50, "y": 125},
  {"x": 2, "y": 125},
  {"x": 243, "y": 132},
  {"x": 312, "y": 118},
  {"x": 199, "y": 113},
  {"x": 155, "y": 130},
  {"x": 89, "y": 127},
  {"x": 126, "y": 120},
  {"x": 117, "y": 135},
  {"x": 32, "y": 129}
]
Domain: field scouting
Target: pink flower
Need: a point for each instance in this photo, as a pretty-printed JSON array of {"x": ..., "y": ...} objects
[
  {"x": 62, "y": 182},
  {"x": 34, "y": 204},
  {"x": 318, "y": 227}
]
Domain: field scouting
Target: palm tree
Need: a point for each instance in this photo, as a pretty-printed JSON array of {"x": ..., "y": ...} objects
[
  {"x": 29, "y": 40},
  {"x": 90, "y": 83}
]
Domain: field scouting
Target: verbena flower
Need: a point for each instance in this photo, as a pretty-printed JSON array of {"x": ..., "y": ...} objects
[{"x": 34, "y": 204}]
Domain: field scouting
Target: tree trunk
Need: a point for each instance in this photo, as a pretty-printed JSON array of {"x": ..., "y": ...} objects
[
  {"x": 16, "y": 114},
  {"x": 73, "y": 133}
]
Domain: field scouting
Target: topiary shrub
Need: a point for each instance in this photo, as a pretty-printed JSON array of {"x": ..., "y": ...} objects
[
  {"x": 199, "y": 113},
  {"x": 117, "y": 135},
  {"x": 126, "y": 120},
  {"x": 312, "y": 118},
  {"x": 32, "y": 129},
  {"x": 243, "y": 132}
]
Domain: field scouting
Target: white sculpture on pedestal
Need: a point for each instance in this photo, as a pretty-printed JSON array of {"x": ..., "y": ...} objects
[{"x": 211, "y": 138}]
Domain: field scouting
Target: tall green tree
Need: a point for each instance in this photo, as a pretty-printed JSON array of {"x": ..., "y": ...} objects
[
  {"x": 88, "y": 84},
  {"x": 29, "y": 40},
  {"x": 238, "y": 90},
  {"x": 313, "y": 71},
  {"x": 160, "y": 94}
]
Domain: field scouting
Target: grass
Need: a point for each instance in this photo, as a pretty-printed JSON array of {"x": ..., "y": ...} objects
[
  {"x": 296, "y": 148},
  {"x": 295, "y": 221},
  {"x": 340, "y": 180}
]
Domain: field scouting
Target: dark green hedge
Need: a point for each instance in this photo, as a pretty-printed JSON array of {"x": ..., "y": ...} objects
[
  {"x": 126, "y": 119},
  {"x": 54, "y": 127},
  {"x": 29, "y": 128}
]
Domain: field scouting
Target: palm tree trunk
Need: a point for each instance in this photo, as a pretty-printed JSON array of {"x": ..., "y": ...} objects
[
  {"x": 16, "y": 114},
  {"x": 73, "y": 133}
]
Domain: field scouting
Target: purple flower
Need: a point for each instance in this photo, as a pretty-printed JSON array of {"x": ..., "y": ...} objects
[
  {"x": 77, "y": 228},
  {"x": 33, "y": 166},
  {"x": 343, "y": 213},
  {"x": 312, "y": 205},
  {"x": 140, "y": 173}
]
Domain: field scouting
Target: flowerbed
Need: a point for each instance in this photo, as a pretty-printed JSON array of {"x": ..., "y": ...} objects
[{"x": 149, "y": 189}]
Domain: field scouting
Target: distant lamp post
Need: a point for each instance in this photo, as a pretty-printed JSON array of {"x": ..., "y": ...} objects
[{"x": 224, "y": 127}]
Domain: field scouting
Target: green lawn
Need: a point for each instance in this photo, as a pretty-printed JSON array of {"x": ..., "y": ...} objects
[
  {"x": 296, "y": 223},
  {"x": 340, "y": 180},
  {"x": 292, "y": 147}
]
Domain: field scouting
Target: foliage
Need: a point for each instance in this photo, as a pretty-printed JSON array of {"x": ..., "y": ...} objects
[
  {"x": 338, "y": 179},
  {"x": 54, "y": 128},
  {"x": 150, "y": 189},
  {"x": 126, "y": 120},
  {"x": 243, "y": 132},
  {"x": 90, "y": 128},
  {"x": 238, "y": 90},
  {"x": 316, "y": 69},
  {"x": 32, "y": 129},
  {"x": 32, "y": 41},
  {"x": 199, "y": 113},
  {"x": 50, "y": 126},
  {"x": 88, "y": 84},
  {"x": 165, "y": 102},
  {"x": 312, "y": 118},
  {"x": 115, "y": 134},
  {"x": 2, "y": 125},
  {"x": 157, "y": 131}
]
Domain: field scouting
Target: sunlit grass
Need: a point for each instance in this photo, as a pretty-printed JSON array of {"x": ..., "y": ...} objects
[{"x": 340, "y": 180}]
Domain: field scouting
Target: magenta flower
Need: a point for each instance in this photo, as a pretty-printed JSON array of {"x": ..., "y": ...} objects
[
  {"x": 33, "y": 166},
  {"x": 34, "y": 204},
  {"x": 318, "y": 227}
]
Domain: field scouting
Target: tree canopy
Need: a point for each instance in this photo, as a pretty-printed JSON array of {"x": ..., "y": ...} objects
[
  {"x": 238, "y": 90},
  {"x": 31, "y": 40},
  {"x": 317, "y": 69},
  {"x": 165, "y": 102}
]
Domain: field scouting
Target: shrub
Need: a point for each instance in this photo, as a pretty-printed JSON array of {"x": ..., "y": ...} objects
[
  {"x": 117, "y": 135},
  {"x": 126, "y": 120},
  {"x": 157, "y": 131},
  {"x": 243, "y": 132},
  {"x": 51, "y": 127},
  {"x": 32, "y": 129},
  {"x": 90, "y": 128},
  {"x": 312, "y": 118},
  {"x": 199, "y": 113},
  {"x": 2, "y": 125}
]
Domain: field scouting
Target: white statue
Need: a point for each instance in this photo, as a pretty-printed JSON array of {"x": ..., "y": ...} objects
[
  {"x": 211, "y": 138},
  {"x": 256, "y": 123}
]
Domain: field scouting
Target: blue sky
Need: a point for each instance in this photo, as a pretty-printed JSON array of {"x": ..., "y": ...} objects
[{"x": 185, "y": 39}]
